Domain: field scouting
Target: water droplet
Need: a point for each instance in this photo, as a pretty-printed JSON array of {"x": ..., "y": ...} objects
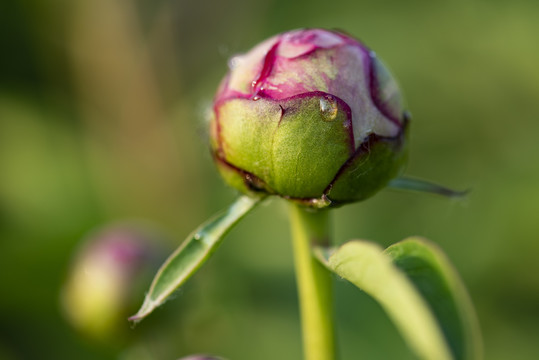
[
  {"x": 197, "y": 236},
  {"x": 328, "y": 108},
  {"x": 234, "y": 62},
  {"x": 255, "y": 98}
]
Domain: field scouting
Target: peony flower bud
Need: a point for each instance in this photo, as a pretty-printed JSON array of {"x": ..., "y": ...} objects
[
  {"x": 107, "y": 271},
  {"x": 310, "y": 115}
]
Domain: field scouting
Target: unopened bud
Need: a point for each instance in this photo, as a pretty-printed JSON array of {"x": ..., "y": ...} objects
[
  {"x": 310, "y": 115},
  {"x": 111, "y": 266}
]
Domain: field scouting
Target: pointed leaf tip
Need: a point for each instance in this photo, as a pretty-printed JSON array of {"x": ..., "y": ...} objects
[{"x": 147, "y": 307}]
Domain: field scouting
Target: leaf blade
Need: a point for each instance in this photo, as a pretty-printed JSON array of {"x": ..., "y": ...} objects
[
  {"x": 365, "y": 265},
  {"x": 192, "y": 253},
  {"x": 434, "y": 277},
  {"x": 424, "y": 186}
]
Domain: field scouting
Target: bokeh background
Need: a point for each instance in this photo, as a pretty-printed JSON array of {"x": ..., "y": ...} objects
[{"x": 102, "y": 107}]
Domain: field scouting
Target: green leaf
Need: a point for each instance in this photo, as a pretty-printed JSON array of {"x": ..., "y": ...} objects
[
  {"x": 431, "y": 272},
  {"x": 409, "y": 293},
  {"x": 409, "y": 184},
  {"x": 193, "y": 252}
]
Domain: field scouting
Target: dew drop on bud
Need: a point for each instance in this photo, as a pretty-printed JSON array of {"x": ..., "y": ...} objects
[
  {"x": 328, "y": 108},
  {"x": 234, "y": 62}
]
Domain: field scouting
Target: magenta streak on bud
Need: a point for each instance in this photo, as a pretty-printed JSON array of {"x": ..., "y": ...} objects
[
  {"x": 374, "y": 86},
  {"x": 269, "y": 61}
]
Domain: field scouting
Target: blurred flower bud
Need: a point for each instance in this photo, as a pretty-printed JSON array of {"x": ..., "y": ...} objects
[
  {"x": 107, "y": 274},
  {"x": 310, "y": 115}
]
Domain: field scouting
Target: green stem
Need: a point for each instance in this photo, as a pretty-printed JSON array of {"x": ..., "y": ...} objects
[{"x": 309, "y": 228}]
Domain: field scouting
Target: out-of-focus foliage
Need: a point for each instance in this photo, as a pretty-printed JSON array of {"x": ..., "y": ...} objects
[{"x": 102, "y": 108}]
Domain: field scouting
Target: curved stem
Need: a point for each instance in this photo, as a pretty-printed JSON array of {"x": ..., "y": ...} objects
[{"x": 311, "y": 228}]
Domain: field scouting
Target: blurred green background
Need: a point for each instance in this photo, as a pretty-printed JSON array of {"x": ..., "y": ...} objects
[{"x": 102, "y": 107}]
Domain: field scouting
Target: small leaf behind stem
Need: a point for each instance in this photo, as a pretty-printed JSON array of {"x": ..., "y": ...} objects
[
  {"x": 193, "y": 252},
  {"x": 410, "y": 184},
  {"x": 419, "y": 289}
]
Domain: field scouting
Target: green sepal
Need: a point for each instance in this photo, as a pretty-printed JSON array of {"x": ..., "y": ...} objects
[
  {"x": 308, "y": 150},
  {"x": 374, "y": 165},
  {"x": 246, "y": 129},
  {"x": 289, "y": 144}
]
